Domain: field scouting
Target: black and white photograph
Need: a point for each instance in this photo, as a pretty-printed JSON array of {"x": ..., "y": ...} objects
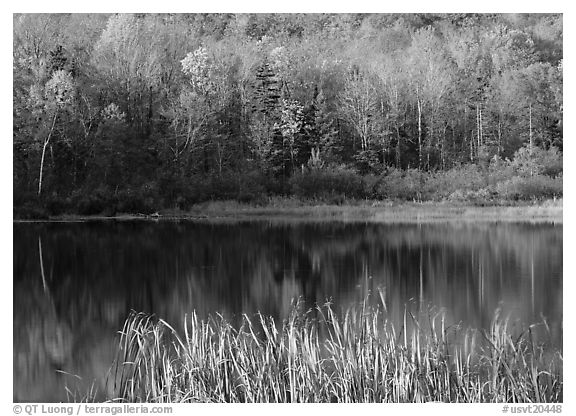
[{"x": 287, "y": 208}]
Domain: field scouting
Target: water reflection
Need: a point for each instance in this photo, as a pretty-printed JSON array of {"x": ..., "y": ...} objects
[{"x": 74, "y": 284}]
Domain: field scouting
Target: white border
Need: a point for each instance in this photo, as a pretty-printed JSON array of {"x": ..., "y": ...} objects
[{"x": 307, "y": 6}]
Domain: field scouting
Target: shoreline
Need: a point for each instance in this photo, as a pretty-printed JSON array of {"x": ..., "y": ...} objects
[{"x": 375, "y": 212}]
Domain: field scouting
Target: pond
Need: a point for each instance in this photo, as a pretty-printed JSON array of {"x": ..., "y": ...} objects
[{"x": 76, "y": 283}]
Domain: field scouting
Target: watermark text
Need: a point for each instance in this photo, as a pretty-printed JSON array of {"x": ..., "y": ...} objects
[{"x": 90, "y": 409}]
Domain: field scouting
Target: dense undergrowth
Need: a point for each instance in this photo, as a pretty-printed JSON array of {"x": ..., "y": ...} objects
[
  {"x": 530, "y": 176},
  {"x": 321, "y": 356}
]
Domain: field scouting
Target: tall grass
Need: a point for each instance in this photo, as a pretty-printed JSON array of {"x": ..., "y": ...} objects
[{"x": 321, "y": 356}]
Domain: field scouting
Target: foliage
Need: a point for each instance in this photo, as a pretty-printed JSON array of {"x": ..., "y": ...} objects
[
  {"x": 531, "y": 187},
  {"x": 397, "y": 184},
  {"x": 59, "y": 90},
  {"x": 328, "y": 183},
  {"x": 537, "y": 161},
  {"x": 440, "y": 185},
  {"x": 114, "y": 102}
]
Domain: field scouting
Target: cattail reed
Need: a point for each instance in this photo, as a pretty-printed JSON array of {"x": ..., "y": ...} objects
[{"x": 324, "y": 356}]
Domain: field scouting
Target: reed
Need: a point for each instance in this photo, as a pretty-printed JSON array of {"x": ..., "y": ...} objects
[{"x": 319, "y": 355}]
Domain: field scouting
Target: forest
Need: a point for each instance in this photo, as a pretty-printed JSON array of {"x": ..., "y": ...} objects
[{"x": 139, "y": 113}]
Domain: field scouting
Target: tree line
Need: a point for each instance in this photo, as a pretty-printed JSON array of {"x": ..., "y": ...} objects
[{"x": 152, "y": 111}]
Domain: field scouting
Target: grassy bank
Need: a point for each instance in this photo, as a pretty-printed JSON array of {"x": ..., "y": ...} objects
[
  {"x": 321, "y": 356},
  {"x": 353, "y": 210},
  {"x": 379, "y": 211}
]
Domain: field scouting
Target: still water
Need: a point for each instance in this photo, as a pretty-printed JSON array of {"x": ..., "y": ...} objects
[{"x": 75, "y": 283}]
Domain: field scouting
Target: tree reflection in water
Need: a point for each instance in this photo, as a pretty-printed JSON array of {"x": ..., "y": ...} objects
[{"x": 74, "y": 284}]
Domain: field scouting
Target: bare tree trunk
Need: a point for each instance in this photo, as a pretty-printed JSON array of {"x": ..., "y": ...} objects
[
  {"x": 453, "y": 133},
  {"x": 419, "y": 134},
  {"x": 442, "y": 148},
  {"x": 398, "y": 147},
  {"x": 44, "y": 153},
  {"x": 531, "y": 143},
  {"x": 429, "y": 139},
  {"x": 150, "y": 112},
  {"x": 481, "y": 129},
  {"x": 500, "y": 133},
  {"x": 385, "y": 139},
  {"x": 530, "y": 119},
  {"x": 478, "y": 134},
  {"x": 220, "y": 158}
]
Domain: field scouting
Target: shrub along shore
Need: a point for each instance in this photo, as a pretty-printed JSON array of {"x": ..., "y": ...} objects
[
  {"x": 532, "y": 177},
  {"x": 321, "y": 356}
]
